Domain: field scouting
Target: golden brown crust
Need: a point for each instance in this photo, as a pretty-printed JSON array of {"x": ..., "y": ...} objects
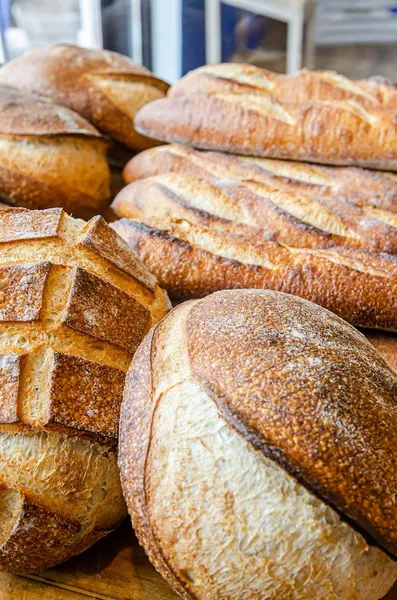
[
  {"x": 103, "y": 240},
  {"x": 78, "y": 78},
  {"x": 296, "y": 382},
  {"x": 386, "y": 345},
  {"x": 359, "y": 186},
  {"x": 344, "y": 451},
  {"x": 303, "y": 86},
  {"x": 258, "y": 212},
  {"x": 50, "y": 156},
  {"x": 191, "y": 262},
  {"x": 70, "y": 320},
  {"x": 257, "y": 125},
  {"x": 105, "y": 312}
]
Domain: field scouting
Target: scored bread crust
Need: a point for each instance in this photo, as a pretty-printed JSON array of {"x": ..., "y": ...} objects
[
  {"x": 50, "y": 156},
  {"x": 386, "y": 345},
  {"x": 258, "y": 211},
  {"x": 75, "y": 303},
  {"x": 328, "y": 132},
  {"x": 191, "y": 260},
  {"x": 296, "y": 383},
  {"x": 362, "y": 187},
  {"x": 302, "y": 86},
  {"x": 82, "y": 79}
]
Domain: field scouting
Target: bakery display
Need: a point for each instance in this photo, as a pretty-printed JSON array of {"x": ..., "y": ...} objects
[
  {"x": 50, "y": 156},
  {"x": 75, "y": 303},
  {"x": 257, "y": 452},
  {"x": 248, "y": 119},
  {"x": 105, "y": 87},
  {"x": 299, "y": 87},
  {"x": 258, "y": 211},
  {"x": 367, "y": 189}
]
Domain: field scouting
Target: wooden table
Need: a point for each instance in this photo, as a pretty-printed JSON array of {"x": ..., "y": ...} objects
[{"x": 114, "y": 569}]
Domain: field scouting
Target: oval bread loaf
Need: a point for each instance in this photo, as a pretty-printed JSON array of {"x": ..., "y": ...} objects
[
  {"x": 371, "y": 190},
  {"x": 104, "y": 87},
  {"x": 74, "y": 305},
  {"x": 249, "y": 120},
  {"x": 50, "y": 156},
  {"x": 259, "y": 211},
  {"x": 193, "y": 253},
  {"x": 257, "y": 448}
]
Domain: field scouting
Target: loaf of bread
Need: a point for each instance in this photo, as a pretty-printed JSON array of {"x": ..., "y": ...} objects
[
  {"x": 251, "y": 122},
  {"x": 104, "y": 87},
  {"x": 192, "y": 259},
  {"x": 74, "y": 305},
  {"x": 368, "y": 189},
  {"x": 258, "y": 445},
  {"x": 50, "y": 156},
  {"x": 258, "y": 211},
  {"x": 386, "y": 345},
  {"x": 300, "y": 87}
]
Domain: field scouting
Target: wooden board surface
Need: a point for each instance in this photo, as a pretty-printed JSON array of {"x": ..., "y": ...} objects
[{"x": 115, "y": 569}]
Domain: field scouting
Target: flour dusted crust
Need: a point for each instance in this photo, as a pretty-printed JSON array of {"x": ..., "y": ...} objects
[
  {"x": 104, "y": 87},
  {"x": 192, "y": 256},
  {"x": 251, "y": 453},
  {"x": 258, "y": 211},
  {"x": 374, "y": 190},
  {"x": 73, "y": 309},
  {"x": 302, "y": 86},
  {"x": 250, "y": 120}
]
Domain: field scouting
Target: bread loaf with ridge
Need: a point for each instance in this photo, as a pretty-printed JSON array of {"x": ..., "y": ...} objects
[
  {"x": 50, "y": 156},
  {"x": 192, "y": 261},
  {"x": 104, "y": 87},
  {"x": 303, "y": 86},
  {"x": 367, "y": 189},
  {"x": 252, "y": 122},
  {"x": 257, "y": 448},
  {"x": 75, "y": 303},
  {"x": 259, "y": 211}
]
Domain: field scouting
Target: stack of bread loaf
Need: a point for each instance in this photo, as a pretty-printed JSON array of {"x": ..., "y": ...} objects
[
  {"x": 62, "y": 108},
  {"x": 258, "y": 431}
]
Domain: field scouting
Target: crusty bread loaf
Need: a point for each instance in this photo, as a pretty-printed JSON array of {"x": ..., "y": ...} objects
[
  {"x": 257, "y": 449},
  {"x": 50, "y": 156},
  {"x": 191, "y": 260},
  {"x": 104, "y": 87},
  {"x": 368, "y": 189},
  {"x": 74, "y": 305},
  {"x": 258, "y": 211},
  {"x": 303, "y": 86},
  {"x": 332, "y": 132},
  {"x": 386, "y": 345}
]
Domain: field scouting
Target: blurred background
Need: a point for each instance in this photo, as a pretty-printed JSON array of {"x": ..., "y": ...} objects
[{"x": 358, "y": 38}]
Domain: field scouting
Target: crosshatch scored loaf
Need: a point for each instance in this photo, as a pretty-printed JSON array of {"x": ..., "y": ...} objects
[
  {"x": 104, "y": 87},
  {"x": 257, "y": 452},
  {"x": 74, "y": 305},
  {"x": 50, "y": 156},
  {"x": 238, "y": 113}
]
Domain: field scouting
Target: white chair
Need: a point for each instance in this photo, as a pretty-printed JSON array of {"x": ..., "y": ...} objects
[{"x": 296, "y": 13}]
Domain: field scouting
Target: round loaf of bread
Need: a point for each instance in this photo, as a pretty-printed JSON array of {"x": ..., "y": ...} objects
[
  {"x": 50, "y": 156},
  {"x": 104, "y": 87},
  {"x": 258, "y": 445},
  {"x": 74, "y": 305}
]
